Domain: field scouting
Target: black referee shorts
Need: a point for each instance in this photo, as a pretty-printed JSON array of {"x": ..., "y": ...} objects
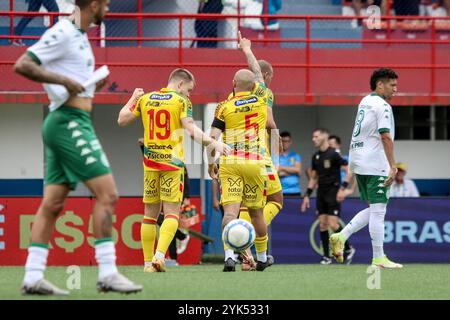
[{"x": 327, "y": 203}]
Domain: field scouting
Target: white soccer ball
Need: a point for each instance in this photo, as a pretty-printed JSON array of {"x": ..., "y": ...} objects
[{"x": 238, "y": 234}]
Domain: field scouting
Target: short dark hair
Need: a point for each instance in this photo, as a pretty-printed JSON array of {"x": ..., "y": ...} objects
[
  {"x": 285, "y": 134},
  {"x": 321, "y": 130},
  {"x": 335, "y": 137},
  {"x": 182, "y": 74},
  {"x": 382, "y": 74}
]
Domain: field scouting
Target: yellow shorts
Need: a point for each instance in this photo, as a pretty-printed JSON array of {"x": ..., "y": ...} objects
[
  {"x": 244, "y": 183},
  {"x": 273, "y": 180},
  {"x": 163, "y": 186}
]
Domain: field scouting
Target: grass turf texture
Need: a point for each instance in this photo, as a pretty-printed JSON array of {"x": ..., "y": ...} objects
[{"x": 286, "y": 282}]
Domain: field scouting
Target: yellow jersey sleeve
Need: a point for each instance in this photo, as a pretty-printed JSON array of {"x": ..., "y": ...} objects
[
  {"x": 186, "y": 108},
  {"x": 219, "y": 113},
  {"x": 219, "y": 117},
  {"x": 270, "y": 98},
  {"x": 261, "y": 91}
]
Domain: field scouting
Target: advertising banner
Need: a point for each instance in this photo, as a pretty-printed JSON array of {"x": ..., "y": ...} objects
[
  {"x": 73, "y": 241},
  {"x": 416, "y": 230}
]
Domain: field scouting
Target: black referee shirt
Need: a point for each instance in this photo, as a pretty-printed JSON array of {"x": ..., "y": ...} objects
[{"x": 328, "y": 164}]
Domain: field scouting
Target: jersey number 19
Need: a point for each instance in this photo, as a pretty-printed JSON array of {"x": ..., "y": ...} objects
[{"x": 161, "y": 120}]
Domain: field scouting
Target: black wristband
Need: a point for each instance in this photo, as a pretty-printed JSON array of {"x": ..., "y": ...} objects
[
  {"x": 308, "y": 193},
  {"x": 345, "y": 184}
]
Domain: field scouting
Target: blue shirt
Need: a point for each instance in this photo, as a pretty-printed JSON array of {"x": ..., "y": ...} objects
[{"x": 290, "y": 184}]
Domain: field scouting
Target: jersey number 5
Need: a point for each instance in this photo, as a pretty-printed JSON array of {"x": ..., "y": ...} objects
[
  {"x": 161, "y": 120},
  {"x": 249, "y": 125}
]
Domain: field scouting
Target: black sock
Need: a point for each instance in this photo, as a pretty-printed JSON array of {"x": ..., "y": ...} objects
[
  {"x": 180, "y": 235},
  {"x": 347, "y": 244},
  {"x": 324, "y": 237},
  {"x": 173, "y": 250}
]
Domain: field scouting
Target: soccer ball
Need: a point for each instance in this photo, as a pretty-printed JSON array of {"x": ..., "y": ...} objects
[{"x": 238, "y": 234}]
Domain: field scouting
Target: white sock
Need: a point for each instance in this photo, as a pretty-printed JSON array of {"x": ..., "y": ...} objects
[
  {"x": 376, "y": 228},
  {"x": 35, "y": 265},
  {"x": 105, "y": 254},
  {"x": 160, "y": 255},
  {"x": 261, "y": 256},
  {"x": 357, "y": 223},
  {"x": 229, "y": 254},
  {"x": 147, "y": 263}
]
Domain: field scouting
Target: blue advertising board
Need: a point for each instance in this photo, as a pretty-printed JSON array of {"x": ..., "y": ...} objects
[{"x": 417, "y": 230}]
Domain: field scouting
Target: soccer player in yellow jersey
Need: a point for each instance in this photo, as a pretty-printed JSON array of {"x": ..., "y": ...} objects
[
  {"x": 242, "y": 121},
  {"x": 165, "y": 114},
  {"x": 274, "y": 193}
]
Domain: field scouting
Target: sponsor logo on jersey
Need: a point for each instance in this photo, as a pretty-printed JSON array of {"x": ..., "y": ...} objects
[
  {"x": 356, "y": 145},
  {"x": 150, "y": 187},
  {"x": 243, "y": 109},
  {"x": 234, "y": 182},
  {"x": 245, "y": 101},
  {"x": 153, "y": 103},
  {"x": 158, "y": 156},
  {"x": 166, "y": 182},
  {"x": 155, "y": 146},
  {"x": 327, "y": 164},
  {"x": 250, "y": 189},
  {"x": 157, "y": 96}
]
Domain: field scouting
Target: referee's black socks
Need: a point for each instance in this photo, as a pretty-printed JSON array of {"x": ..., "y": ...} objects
[{"x": 324, "y": 237}]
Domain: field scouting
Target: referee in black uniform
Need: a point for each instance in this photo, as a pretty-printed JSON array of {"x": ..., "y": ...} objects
[{"x": 326, "y": 173}]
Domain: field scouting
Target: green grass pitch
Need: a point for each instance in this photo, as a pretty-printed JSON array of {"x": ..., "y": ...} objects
[{"x": 285, "y": 282}]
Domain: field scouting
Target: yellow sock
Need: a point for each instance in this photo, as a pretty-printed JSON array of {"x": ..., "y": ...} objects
[
  {"x": 243, "y": 214},
  {"x": 167, "y": 232},
  {"x": 261, "y": 243},
  {"x": 148, "y": 236},
  {"x": 271, "y": 209}
]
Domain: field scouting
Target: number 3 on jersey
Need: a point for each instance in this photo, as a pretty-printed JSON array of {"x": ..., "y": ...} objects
[
  {"x": 359, "y": 120},
  {"x": 159, "y": 121}
]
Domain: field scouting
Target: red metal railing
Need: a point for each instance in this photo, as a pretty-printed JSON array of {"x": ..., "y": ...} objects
[{"x": 308, "y": 40}]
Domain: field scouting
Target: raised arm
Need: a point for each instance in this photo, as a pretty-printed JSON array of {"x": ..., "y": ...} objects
[
  {"x": 126, "y": 115},
  {"x": 246, "y": 46}
]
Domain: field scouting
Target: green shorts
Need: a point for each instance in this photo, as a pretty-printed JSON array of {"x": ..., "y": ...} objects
[
  {"x": 72, "y": 150},
  {"x": 372, "y": 189}
]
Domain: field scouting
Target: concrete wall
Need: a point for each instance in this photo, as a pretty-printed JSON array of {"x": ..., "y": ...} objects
[{"x": 21, "y": 148}]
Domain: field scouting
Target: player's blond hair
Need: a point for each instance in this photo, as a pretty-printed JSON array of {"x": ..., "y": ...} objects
[{"x": 181, "y": 74}]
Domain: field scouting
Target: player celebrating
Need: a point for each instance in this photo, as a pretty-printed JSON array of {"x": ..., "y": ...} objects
[
  {"x": 243, "y": 173},
  {"x": 372, "y": 160},
  {"x": 63, "y": 57},
  {"x": 164, "y": 114},
  {"x": 274, "y": 193}
]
